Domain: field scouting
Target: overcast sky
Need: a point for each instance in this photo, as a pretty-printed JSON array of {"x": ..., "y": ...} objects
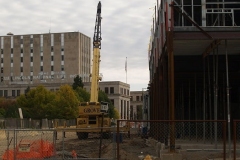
[{"x": 126, "y": 26}]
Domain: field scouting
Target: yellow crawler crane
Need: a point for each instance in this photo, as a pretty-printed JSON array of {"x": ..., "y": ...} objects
[{"x": 93, "y": 117}]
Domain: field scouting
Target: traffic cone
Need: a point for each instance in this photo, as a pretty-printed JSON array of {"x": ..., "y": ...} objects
[
  {"x": 74, "y": 154},
  {"x": 148, "y": 157}
]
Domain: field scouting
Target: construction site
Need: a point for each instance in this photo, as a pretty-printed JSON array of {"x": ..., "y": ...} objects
[
  {"x": 194, "y": 64},
  {"x": 191, "y": 111}
]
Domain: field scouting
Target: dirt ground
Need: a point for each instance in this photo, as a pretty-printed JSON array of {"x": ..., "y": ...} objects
[{"x": 134, "y": 148}]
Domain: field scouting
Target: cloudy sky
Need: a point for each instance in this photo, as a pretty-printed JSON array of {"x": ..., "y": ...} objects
[{"x": 126, "y": 26}]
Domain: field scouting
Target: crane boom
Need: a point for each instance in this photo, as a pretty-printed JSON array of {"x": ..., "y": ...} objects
[{"x": 96, "y": 56}]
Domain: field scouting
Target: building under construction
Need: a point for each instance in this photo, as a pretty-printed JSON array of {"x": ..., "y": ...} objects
[{"x": 194, "y": 60}]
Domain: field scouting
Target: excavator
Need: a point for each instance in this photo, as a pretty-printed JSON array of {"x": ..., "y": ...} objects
[{"x": 93, "y": 117}]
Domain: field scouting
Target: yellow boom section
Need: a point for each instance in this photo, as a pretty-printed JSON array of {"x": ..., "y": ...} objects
[{"x": 95, "y": 75}]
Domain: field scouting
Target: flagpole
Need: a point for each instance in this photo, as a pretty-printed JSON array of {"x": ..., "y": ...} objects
[{"x": 126, "y": 68}]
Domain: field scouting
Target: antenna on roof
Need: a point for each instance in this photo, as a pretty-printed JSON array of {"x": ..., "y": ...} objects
[{"x": 50, "y": 26}]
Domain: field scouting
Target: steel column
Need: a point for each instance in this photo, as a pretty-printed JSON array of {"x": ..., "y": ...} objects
[{"x": 171, "y": 88}]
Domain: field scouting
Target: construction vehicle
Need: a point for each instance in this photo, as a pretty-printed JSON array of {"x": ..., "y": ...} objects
[{"x": 93, "y": 117}]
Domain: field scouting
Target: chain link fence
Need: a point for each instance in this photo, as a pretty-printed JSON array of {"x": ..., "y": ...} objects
[
  {"x": 191, "y": 140},
  {"x": 236, "y": 139},
  {"x": 60, "y": 143},
  {"x": 17, "y": 123}
]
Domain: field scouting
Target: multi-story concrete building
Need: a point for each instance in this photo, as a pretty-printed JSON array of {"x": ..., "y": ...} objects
[
  {"x": 139, "y": 105},
  {"x": 49, "y": 59},
  {"x": 136, "y": 104},
  {"x": 119, "y": 93}
]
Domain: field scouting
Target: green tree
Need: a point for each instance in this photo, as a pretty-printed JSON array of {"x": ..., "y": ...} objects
[
  {"x": 77, "y": 82},
  {"x": 35, "y": 103},
  {"x": 27, "y": 90},
  {"x": 2, "y": 113},
  {"x": 83, "y": 95},
  {"x": 67, "y": 103},
  {"x": 12, "y": 111},
  {"x": 8, "y": 108}
]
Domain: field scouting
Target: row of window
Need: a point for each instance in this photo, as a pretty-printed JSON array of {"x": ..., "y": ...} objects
[
  {"x": 31, "y": 50},
  {"x": 31, "y": 59},
  {"x": 4, "y": 93},
  {"x": 15, "y": 93},
  {"x": 122, "y": 91},
  {"x": 107, "y": 90},
  {"x": 137, "y": 98},
  {"x": 31, "y": 69}
]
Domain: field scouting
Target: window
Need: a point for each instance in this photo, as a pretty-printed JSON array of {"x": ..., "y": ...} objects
[
  {"x": 62, "y": 57},
  {"x": 62, "y": 49},
  {"x": 31, "y": 78},
  {"x": 41, "y": 68},
  {"x": 52, "y": 68},
  {"x": 111, "y": 90},
  {"x": 11, "y": 59},
  {"x": 21, "y": 69},
  {"x": 31, "y": 40},
  {"x": 137, "y": 98},
  {"x": 31, "y": 69},
  {"x": 21, "y": 50},
  {"x": 5, "y": 93},
  {"x": 18, "y": 92},
  {"x": 124, "y": 91},
  {"x": 106, "y": 90},
  {"x": 31, "y": 59},
  {"x": 52, "y": 58},
  {"x": 21, "y": 41},
  {"x": 62, "y": 68},
  {"x": 1, "y": 70},
  {"x": 31, "y": 50},
  {"x": 1, "y": 93},
  {"x": 11, "y": 50},
  {"x": 121, "y": 91},
  {"x": 52, "y": 49},
  {"x": 1, "y": 60},
  {"x": 21, "y": 59},
  {"x": 1, "y": 51},
  {"x": 41, "y": 49},
  {"x": 13, "y": 93},
  {"x": 41, "y": 58}
]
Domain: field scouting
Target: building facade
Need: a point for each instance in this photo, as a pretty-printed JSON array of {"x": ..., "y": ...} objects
[
  {"x": 139, "y": 105},
  {"x": 49, "y": 59}
]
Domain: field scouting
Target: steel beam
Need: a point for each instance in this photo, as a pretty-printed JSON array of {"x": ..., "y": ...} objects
[
  {"x": 182, "y": 12},
  {"x": 211, "y": 47}
]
